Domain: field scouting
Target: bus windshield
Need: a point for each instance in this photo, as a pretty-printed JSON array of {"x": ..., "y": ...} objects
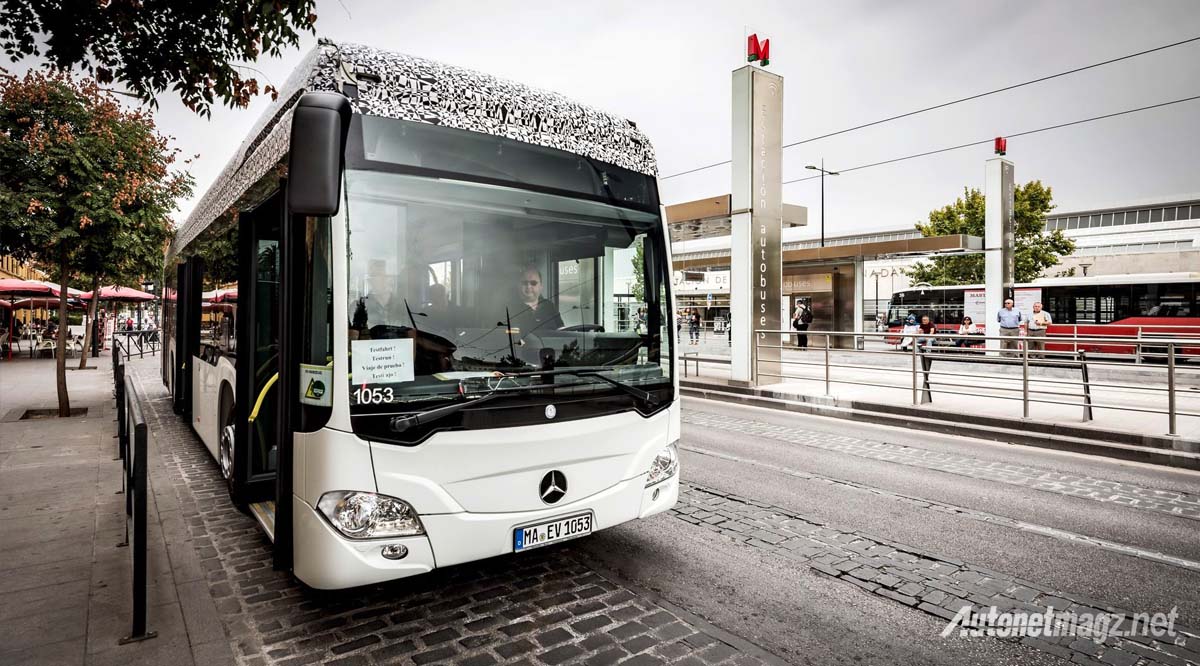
[{"x": 454, "y": 284}]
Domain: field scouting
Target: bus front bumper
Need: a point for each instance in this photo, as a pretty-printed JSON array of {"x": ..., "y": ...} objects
[{"x": 326, "y": 560}]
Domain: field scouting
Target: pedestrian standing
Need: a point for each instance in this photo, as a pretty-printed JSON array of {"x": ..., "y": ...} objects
[
  {"x": 1010, "y": 320},
  {"x": 801, "y": 319},
  {"x": 1035, "y": 332},
  {"x": 694, "y": 327}
]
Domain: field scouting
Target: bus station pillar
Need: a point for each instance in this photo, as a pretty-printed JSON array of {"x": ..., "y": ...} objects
[
  {"x": 998, "y": 241},
  {"x": 756, "y": 207},
  {"x": 859, "y": 305}
]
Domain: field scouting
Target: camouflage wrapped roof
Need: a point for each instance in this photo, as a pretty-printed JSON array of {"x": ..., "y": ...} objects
[{"x": 395, "y": 85}]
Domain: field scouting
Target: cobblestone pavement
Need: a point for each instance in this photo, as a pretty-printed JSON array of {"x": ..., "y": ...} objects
[
  {"x": 1161, "y": 501},
  {"x": 546, "y": 606},
  {"x": 936, "y": 585}
]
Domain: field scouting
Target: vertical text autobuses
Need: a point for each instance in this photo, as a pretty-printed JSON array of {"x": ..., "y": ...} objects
[{"x": 396, "y": 320}]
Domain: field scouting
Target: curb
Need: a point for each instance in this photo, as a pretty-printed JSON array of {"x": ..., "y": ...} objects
[{"x": 1152, "y": 449}]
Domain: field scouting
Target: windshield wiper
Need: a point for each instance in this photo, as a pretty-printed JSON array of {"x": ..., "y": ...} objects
[
  {"x": 594, "y": 371},
  {"x": 634, "y": 391},
  {"x": 403, "y": 423}
]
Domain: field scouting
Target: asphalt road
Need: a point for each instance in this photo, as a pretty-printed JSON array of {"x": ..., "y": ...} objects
[{"x": 1087, "y": 548}]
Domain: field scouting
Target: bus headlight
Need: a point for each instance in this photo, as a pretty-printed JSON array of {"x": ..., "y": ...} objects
[
  {"x": 362, "y": 515},
  {"x": 665, "y": 464}
]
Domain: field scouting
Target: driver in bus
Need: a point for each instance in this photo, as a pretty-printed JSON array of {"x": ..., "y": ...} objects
[
  {"x": 381, "y": 305},
  {"x": 533, "y": 313}
]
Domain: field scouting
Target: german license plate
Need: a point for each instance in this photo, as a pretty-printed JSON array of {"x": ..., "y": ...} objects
[{"x": 542, "y": 534}]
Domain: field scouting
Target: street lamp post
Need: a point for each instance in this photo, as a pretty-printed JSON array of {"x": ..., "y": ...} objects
[
  {"x": 877, "y": 302},
  {"x": 823, "y": 173},
  {"x": 147, "y": 285}
]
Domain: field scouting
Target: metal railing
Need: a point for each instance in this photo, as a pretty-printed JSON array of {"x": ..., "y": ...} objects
[
  {"x": 140, "y": 340},
  {"x": 951, "y": 364},
  {"x": 132, "y": 434}
]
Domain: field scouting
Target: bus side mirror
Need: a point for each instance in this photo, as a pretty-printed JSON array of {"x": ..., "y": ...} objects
[{"x": 319, "y": 126}]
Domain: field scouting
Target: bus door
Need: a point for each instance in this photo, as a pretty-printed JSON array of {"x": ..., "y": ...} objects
[
  {"x": 305, "y": 387},
  {"x": 190, "y": 277},
  {"x": 257, "y": 441}
]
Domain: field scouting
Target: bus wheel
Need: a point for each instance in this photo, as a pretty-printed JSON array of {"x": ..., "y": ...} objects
[
  {"x": 226, "y": 452},
  {"x": 225, "y": 458}
]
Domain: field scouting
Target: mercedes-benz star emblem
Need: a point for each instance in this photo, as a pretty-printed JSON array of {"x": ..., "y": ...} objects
[
  {"x": 551, "y": 411},
  {"x": 553, "y": 487}
]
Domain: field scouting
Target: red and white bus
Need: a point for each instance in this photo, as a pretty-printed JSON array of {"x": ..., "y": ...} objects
[{"x": 1147, "y": 305}]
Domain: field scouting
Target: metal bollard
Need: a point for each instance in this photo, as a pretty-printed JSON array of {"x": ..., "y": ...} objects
[
  {"x": 122, "y": 435},
  {"x": 914, "y": 372},
  {"x": 1172, "y": 431},
  {"x": 826, "y": 365},
  {"x": 1025, "y": 380},
  {"x": 138, "y": 492}
]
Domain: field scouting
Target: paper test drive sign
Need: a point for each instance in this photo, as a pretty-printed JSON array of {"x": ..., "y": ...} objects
[{"x": 381, "y": 361}]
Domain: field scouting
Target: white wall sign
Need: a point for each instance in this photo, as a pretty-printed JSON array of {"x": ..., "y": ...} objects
[
  {"x": 1025, "y": 298},
  {"x": 712, "y": 281},
  {"x": 381, "y": 361},
  {"x": 975, "y": 306},
  {"x": 806, "y": 284}
]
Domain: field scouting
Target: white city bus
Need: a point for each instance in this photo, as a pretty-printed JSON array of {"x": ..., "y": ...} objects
[{"x": 410, "y": 354}]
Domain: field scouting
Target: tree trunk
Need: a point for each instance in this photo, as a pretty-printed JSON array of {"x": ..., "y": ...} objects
[
  {"x": 64, "y": 400},
  {"x": 87, "y": 332}
]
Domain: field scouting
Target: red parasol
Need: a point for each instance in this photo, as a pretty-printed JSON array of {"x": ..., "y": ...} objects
[
  {"x": 117, "y": 293},
  {"x": 14, "y": 287},
  {"x": 45, "y": 303},
  {"x": 28, "y": 288}
]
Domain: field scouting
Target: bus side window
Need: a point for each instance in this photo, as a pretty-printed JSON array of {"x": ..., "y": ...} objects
[{"x": 316, "y": 350}]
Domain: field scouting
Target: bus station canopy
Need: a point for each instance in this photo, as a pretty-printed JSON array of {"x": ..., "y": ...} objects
[
  {"x": 711, "y": 217},
  {"x": 905, "y": 247}
]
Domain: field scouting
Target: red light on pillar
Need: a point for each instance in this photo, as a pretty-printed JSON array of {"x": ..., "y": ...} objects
[{"x": 1001, "y": 145}]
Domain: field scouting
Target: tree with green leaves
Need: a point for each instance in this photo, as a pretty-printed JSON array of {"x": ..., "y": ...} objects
[
  {"x": 152, "y": 45},
  {"x": 87, "y": 186},
  {"x": 1035, "y": 249},
  {"x": 639, "y": 271}
]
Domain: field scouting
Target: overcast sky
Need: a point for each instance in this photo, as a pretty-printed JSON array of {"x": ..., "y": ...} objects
[{"x": 666, "y": 65}]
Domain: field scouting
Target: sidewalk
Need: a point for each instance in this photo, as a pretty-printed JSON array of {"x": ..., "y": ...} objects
[
  {"x": 975, "y": 389},
  {"x": 66, "y": 585}
]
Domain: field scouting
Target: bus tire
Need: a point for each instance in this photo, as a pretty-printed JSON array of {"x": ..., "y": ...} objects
[{"x": 226, "y": 450}]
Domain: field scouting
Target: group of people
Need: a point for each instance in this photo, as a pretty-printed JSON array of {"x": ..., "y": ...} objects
[
  {"x": 45, "y": 327},
  {"x": 1011, "y": 321}
]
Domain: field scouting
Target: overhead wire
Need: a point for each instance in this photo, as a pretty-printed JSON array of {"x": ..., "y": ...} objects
[
  {"x": 953, "y": 102},
  {"x": 1007, "y": 136}
]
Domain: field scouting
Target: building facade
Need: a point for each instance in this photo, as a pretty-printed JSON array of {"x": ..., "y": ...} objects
[{"x": 1155, "y": 236}]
